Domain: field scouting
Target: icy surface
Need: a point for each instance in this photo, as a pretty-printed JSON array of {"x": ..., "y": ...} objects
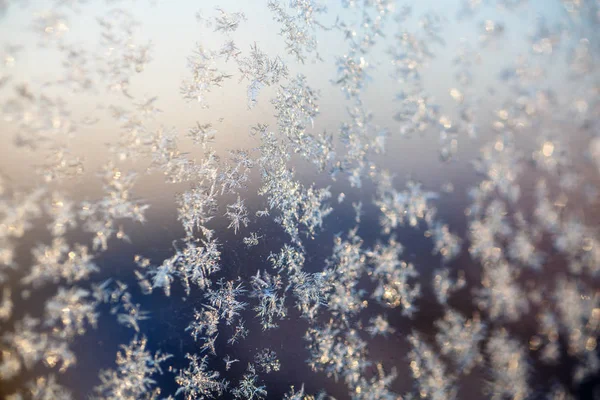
[{"x": 365, "y": 199}]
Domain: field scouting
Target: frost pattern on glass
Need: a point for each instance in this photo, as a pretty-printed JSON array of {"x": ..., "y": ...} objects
[{"x": 364, "y": 199}]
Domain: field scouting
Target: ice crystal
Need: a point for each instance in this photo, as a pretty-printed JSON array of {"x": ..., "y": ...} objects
[
  {"x": 268, "y": 289},
  {"x": 205, "y": 75},
  {"x": 198, "y": 382},
  {"x": 459, "y": 337},
  {"x": 267, "y": 361},
  {"x": 237, "y": 214},
  {"x": 249, "y": 388},
  {"x": 299, "y": 27},
  {"x": 429, "y": 371},
  {"x": 508, "y": 368},
  {"x": 132, "y": 378},
  {"x": 225, "y": 302},
  {"x": 261, "y": 70}
]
